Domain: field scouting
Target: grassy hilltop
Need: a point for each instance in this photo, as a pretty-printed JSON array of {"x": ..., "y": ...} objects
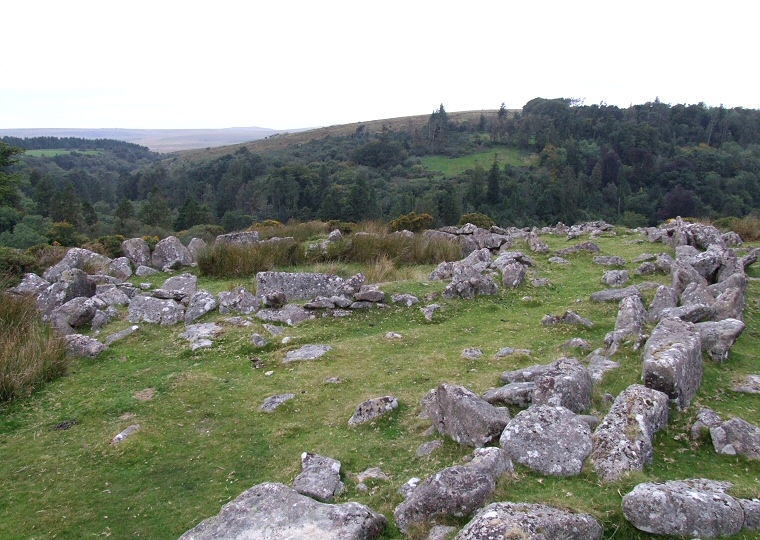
[{"x": 202, "y": 440}]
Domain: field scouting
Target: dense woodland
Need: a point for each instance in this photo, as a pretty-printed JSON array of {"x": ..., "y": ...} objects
[{"x": 633, "y": 166}]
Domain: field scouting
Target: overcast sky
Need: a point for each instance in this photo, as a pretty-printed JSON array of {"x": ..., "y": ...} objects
[{"x": 289, "y": 64}]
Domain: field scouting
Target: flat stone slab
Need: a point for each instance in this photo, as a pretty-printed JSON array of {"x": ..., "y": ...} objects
[
  {"x": 373, "y": 408},
  {"x": 307, "y": 352},
  {"x": 750, "y": 384},
  {"x": 273, "y": 511},
  {"x": 272, "y": 402},
  {"x": 319, "y": 478}
]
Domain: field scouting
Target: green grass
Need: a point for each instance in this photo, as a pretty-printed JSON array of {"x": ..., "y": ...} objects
[
  {"x": 202, "y": 440},
  {"x": 454, "y": 166},
  {"x": 52, "y": 152}
]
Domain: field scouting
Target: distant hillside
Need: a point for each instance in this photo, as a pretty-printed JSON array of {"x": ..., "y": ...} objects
[{"x": 158, "y": 140}]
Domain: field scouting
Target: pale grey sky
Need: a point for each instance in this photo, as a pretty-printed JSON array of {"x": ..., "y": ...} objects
[{"x": 289, "y": 64}]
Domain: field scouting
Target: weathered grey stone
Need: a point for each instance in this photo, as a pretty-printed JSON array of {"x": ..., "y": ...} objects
[
  {"x": 588, "y": 247},
  {"x": 74, "y": 314},
  {"x": 686, "y": 508},
  {"x": 475, "y": 263},
  {"x": 512, "y": 275},
  {"x": 187, "y": 284},
  {"x": 274, "y": 300},
  {"x": 373, "y": 408},
  {"x": 691, "y": 313},
  {"x": 196, "y": 247},
  {"x": 320, "y": 302},
  {"x": 645, "y": 268},
  {"x": 535, "y": 244},
  {"x": 113, "y": 296},
  {"x": 606, "y": 260},
  {"x": 137, "y": 251},
  {"x": 623, "y": 441},
  {"x": 307, "y": 352},
  {"x": 565, "y": 383},
  {"x": 528, "y": 374},
  {"x": 672, "y": 360},
  {"x": 549, "y": 439},
  {"x": 120, "y": 268},
  {"x": 441, "y": 532},
  {"x": 696, "y": 293},
  {"x": 471, "y": 353},
  {"x": 272, "y": 402},
  {"x": 569, "y": 317},
  {"x": 736, "y": 437},
  {"x": 80, "y": 258},
  {"x": 319, "y": 477},
  {"x": 469, "y": 286},
  {"x": 170, "y": 252},
  {"x": 428, "y": 311},
  {"x": 750, "y": 384},
  {"x": 298, "y": 286},
  {"x": 598, "y": 365},
  {"x": 238, "y": 300},
  {"x": 751, "y": 509},
  {"x": 406, "y": 299},
  {"x": 201, "y": 303},
  {"x": 615, "y": 278},
  {"x": 728, "y": 305},
  {"x": 427, "y": 448},
  {"x": 505, "y": 520},
  {"x": 460, "y": 414},
  {"x": 241, "y": 238},
  {"x": 290, "y": 315},
  {"x": 614, "y": 295},
  {"x": 682, "y": 274},
  {"x": 83, "y": 346},
  {"x": 130, "y": 430},
  {"x": 368, "y": 294},
  {"x": 276, "y": 512},
  {"x": 200, "y": 333},
  {"x": 718, "y": 337},
  {"x": 258, "y": 341},
  {"x": 72, "y": 283},
  {"x": 629, "y": 325},
  {"x": 558, "y": 260},
  {"x": 144, "y": 271},
  {"x": 705, "y": 419},
  {"x": 31, "y": 284},
  {"x": 364, "y": 305},
  {"x": 154, "y": 310},
  {"x": 509, "y": 351},
  {"x": 510, "y": 257},
  {"x": 517, "y": 393},
  {"x": 455, "y": 491},
  {"x": 576, "y": 343},
  {"x": 121, "y": 334}
]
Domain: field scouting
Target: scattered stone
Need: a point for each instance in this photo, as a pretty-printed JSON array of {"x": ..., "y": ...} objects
[
  {"x": 408, "y": 487},
  {"x": 137, "y": 251},
  {"x": 672, "y": 360},
  {"x": 629, "y": 325},
  {"x": 509, "y": 351},
  {"x": 332, "y": 380},
  {"x": 187, "y": 284},
  {"x": 469, "y": 286},
  {"x": 242, "y": 322},
  {"x": 750, "y": 384},
  {"x": 273, "y": 329},
  {"x": 83, "y": 346},
  {"x": 428, "y": 311},
  {"x": 717, "y": 338},
  {"x": 519, "y": 394},
  {"x": 72, "y": 283},
  {"x": 201, "y": 302},
  {"x": 471, "y": 353},
  {"x": 373, "y": 473},
  {"x": 558, "y": 260},
  {"x": 455, "y": 491},
  {"x": 460, "y": 414},
  {"x": 605, "y": 260},
  {"x": 290, "y": 315},
  {"x": 145, "y": 271},
  {"x": 577, "y": 343},
  {"x": 570, "y": 317},
  {"x": 77, "y": 258},
  {"x": 516, "y": 521},
  {"x": 124, "y": 434},
  {"x": 66, "y": 424},
  {"x": 154, "y": 310},
  {"x": 277, "y": 512},
  {"x": 241, "y": 238},
  {"x": 541, "y": 282},
  {"x": 307, "y": 352},
  {"x": 623, "y": 441},
  {"x": 113, "y": 296},
  {"x": 564, "y": 383},
  {"x": 120, "y": 335},
  {"x": 319, "y": 477},
  {"x": 588, "y": 247},
  {"x": 512, "y": 275},
  {"x": 428, "y": 448},
  {"x": 685, "y": 508},
  {"x": 614, "y": 295},
  {"x": 199, "y": 335},
  {"x": 441, "y": 532},
  {"x": 258, "y": 341},
  {"x": 598, "y": 365},
  {"x": 406, "y": 299},
  {"x": 195, "y": 247},
  {"x": 274, "y": 300},
  {"x": 736, "y": 437},
  {"x": 664, "y": 298},
  {"x": 548, "y": 439},
  {"x": 373, "y": 408},
  {"x": 615, "y": 278},
  {"x": 238, "y": 300},
  {"x": 120, "y": 268},
  {"x": 302, "y": 285},
  {"x": 393, "y": 335},
  {"x": 535, "y": 244}
]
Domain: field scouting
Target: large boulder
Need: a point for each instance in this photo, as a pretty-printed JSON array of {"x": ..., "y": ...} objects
[
  {"x": 455, "y": 491},
  {"x": 155, "y": 310},
  {"x": 685, "y": 508},
  {"x": 623, "y": 441},
  {"x": 469, "y": 286},
  {"x": 736, "y": 436},
  {"x": 289, "y": 314},
  {"x": 373, "y": 408},
  {"x": 74, "y": 314},
  {"x": 196, "y": 247},
  {"x": 665, "y": 297},
  {"x": 506, "y": 520},
  {"x": 137, "y": 251},
  {"x": 120, "y": 268},
  {"x": 72, "y": 283},
  {"x": 170, "y": 253},
  {"x": 80, "y": 258},
  {"x": 614, "y": 295},
  {"x": 566, "y": 383},
  {"x": 629, "y": 325},
  {"x": 460, "y": 414},
  {"x": 201, "y": 303},
  {"x": 717, "y": 338},
  {"x": 185, "y": 283},
  {"x": 242, "y": 238},
  {"x": 550, "y": 440},
  {"x": 519, "y": 394},
  {"x": 475, "y": 263},
  {"x": 83, "y": 346},
  {"x": 238, "y": 300},
  {"x": 672, "y": 360},
  {"x": 276, "y": 512},
  {"x": 298, "y": 285}
]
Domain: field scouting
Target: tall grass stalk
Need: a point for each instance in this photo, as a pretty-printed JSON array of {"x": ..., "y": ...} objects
[
  {"x": 31, "y": 353},
  {"x": 225, "y": 261}
]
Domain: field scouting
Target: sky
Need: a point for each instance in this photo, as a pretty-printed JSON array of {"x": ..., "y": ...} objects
[{"x": 165, "y": 64}]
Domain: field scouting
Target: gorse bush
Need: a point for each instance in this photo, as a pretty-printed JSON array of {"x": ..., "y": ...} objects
[
  {"x": 31, "y": 353},
  {"x": 480, "y": 220},
  {"x": 411, "y": 222},
  {"x": 224, "y": 260}
]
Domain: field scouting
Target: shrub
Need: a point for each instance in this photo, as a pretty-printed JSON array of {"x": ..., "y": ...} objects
[
  {"x": 31, "y": 353},
  {"x": 747, "y": 227},
  {"x": 44, "y": 256},
  {"x": 207, "y": 233},
  {"x": 227, "y": 261},
  {"x": 109, "y": 245},
  {"x": 64, "y": 234},
  {"x": 14, "y": 263},
  {"x": 477, "y": 219},
  {"x": 633, "y": 220},
  {"x": 411, "y": 222}
]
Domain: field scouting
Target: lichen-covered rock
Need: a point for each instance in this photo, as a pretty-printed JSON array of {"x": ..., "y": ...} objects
[
  {"x": 201, "y": 302},
  {"x": 469, "y": 286},
  {"x": 736, "y": 437},
  {"x": 686, "y": 508},
  {"x": 74, "y": 314},
  {"x": 238, "y": 300},
  {"x": 187, "y": 284},
  {"x": 599, "y": 364},
  {"x": 298, "y": 285},
  {"x": 718, "y": 337},
  {"x": 455, "y": 491},
  {"x": 623, "y": 441},
  {"x": 629, "y": 325},
  {"x": 71, "y": 284},
  {"x": 242, "y": 238},
  {"x": 460, "y": 414},
  {"x": 272, "y": 402},
  {"x": 565, "y": 383},
  {"x": 170, "y": 252},
  {"x": 83, "y": 346},
  {"x": 289, "y": 314},
  {"x": 615, "y": 278},
  {"x": 307, "y": 352},
  {"x": 672, "y": 360},
  {"x": 277, "y": 512},
  {"x": 406, "y": 299},
  {"x": 569, "y": 317},
  {"x": 512, "y": 275},
  {"x": 319, "y": 477},
  {"x": 518, "y": 521},
  {"x": 373, "y": 408},
  {"x": 664, "y": 298},
  {"x": 614, "y": 295},
  {"x": 155, "y": 310},
  {"x": 120, "y": 268},
  {"x": 137, "y": 251},
  {"x": 549, "y": 439},
  {"x": 80, "y": 258},
  {"x": 517, "y": 393},
  {"x": 196, "y": 247}
]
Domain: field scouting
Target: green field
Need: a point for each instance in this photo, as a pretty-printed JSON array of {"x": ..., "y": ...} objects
[
  {"x": 52, "y": 152},
  {"x": 202, "y": 440},
  {"x": 454, "y": 166}
]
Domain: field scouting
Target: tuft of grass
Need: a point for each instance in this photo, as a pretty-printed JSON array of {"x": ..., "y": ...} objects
[
  {"x": 402, "y": 250},
  {"x": 227, "y": 261},
  {"x": 747, "y": 227},
  {"x": 31, "y": 353},
  {"x": 300, "y": 232}
]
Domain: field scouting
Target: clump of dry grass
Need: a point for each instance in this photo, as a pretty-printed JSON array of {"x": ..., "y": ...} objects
[
  {"x": 225, "y": 261},
  {"x": 31, "y": 353},
  {"x": 747, "y": 227}
]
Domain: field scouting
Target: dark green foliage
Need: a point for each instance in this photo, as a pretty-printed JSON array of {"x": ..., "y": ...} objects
[
  {"x": 379, "y": 154},
  {"x": 207, "y": 233},
  {"x": 110, "y": 245},
  {"x": 191, "y": 213},
  {"x": 411, "y": 222},
  {"x": 64, "y": 234},
  {"x": 480, "y": 220},
  {"x": 31, "y": 353},
  {"x": 14, "y": 263}
]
